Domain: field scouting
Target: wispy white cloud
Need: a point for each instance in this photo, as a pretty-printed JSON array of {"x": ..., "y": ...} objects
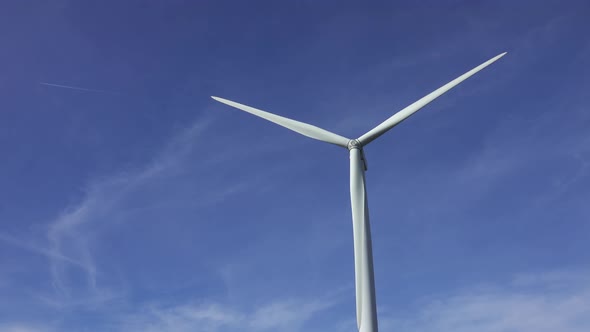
[
  {"x": 19, "y": 327},
  {"x": 542, "y": 302},
  {"x": 34, "y": 248},
  {"x": 286, "y": 315},
  {"x": 70, "y": 235},
  {"x": 71, "y": 238},
  {"x": 282, "y": 315}
]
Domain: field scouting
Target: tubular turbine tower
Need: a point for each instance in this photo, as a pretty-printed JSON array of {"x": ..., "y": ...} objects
[{"x": 366, "y": 310}]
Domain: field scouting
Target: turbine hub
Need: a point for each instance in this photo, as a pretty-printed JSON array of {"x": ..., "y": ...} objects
[{"x": 354, "y": 144}]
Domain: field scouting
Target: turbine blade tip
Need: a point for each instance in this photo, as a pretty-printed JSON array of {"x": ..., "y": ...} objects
[{"x": 219, "y": 99}]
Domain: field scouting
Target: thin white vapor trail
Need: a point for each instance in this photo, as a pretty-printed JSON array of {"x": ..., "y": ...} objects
[{"x": 75, "y": 88}]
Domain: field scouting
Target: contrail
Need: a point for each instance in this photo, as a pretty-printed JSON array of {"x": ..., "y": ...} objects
[{"x": 76, "y": 88}]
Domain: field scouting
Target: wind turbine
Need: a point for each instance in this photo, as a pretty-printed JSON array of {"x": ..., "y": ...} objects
[{"x": 366, "y": 310}]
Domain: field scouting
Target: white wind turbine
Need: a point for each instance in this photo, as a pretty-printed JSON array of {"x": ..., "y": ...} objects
[{"x": 366, "y": 311}]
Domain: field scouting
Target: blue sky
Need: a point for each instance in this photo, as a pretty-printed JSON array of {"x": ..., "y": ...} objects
[{"x": 146, "y": 206}]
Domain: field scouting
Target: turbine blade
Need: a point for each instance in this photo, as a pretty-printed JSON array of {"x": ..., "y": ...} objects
[
  {"x": 413, "y": 108},
  {"x": 366, "y": 309},
  {"x": 299, "y": 127}
]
